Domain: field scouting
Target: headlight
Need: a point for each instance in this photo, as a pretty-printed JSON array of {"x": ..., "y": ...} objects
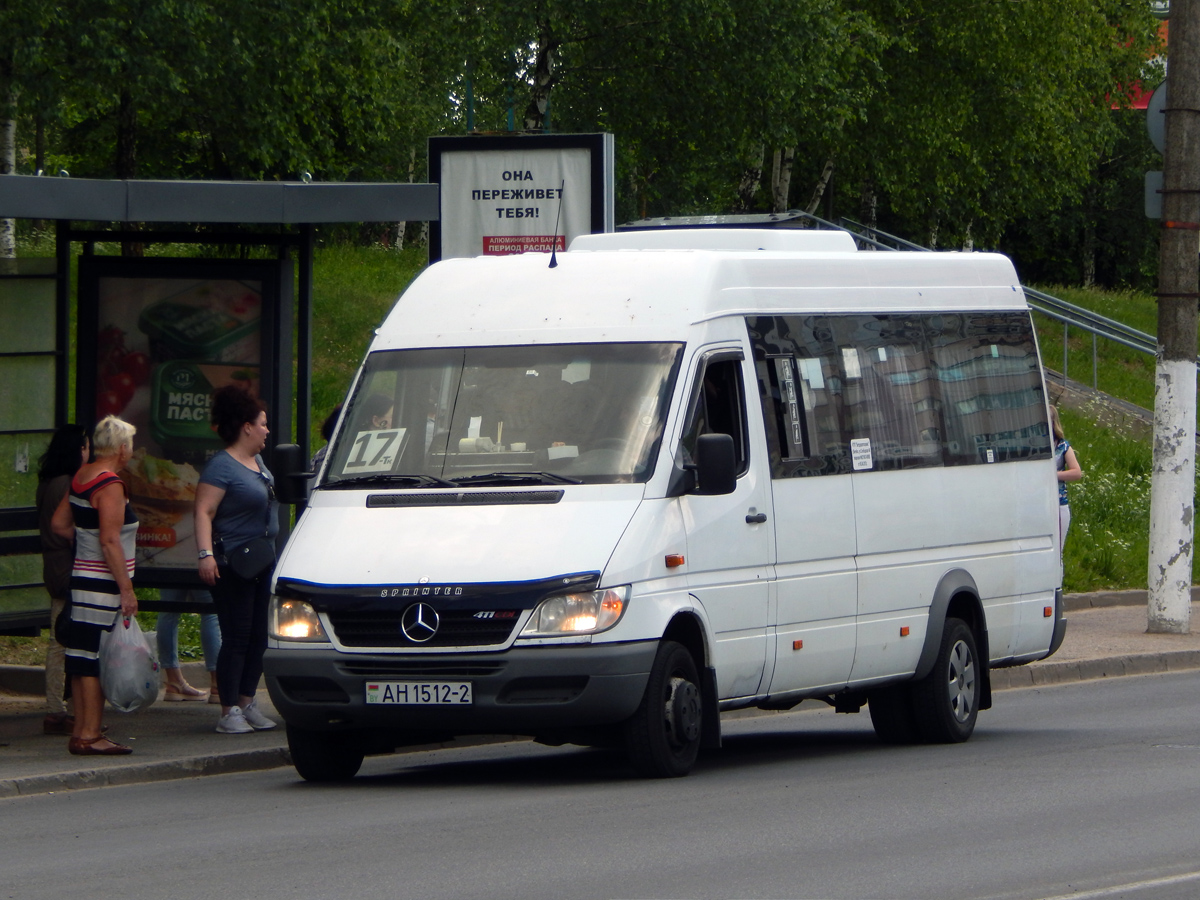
[
  {"x": 588, "y": 613},
  {"x": 295, "y": 620}
]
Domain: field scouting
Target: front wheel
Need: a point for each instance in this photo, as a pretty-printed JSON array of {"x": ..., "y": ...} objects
[
  {"x": 946, "y": 701},
  {"x": 324, "y": 755},
  {"x": 663, "y": 737}
]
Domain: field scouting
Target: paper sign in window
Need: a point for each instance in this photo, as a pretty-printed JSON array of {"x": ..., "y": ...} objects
[
  {"x": 374, "y": 451},
  {"x": 860, "y": 453}
]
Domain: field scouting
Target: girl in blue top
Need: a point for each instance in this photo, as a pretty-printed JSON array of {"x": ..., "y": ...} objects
[
  {"x": 235, "y": 504},
  {"x": 1068, "y": 470}
]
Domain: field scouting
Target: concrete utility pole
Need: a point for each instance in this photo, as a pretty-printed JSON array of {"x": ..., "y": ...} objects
[{"x": 1172, "y": 490}]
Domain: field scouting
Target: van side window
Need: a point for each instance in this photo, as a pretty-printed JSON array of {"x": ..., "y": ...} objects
[
  {"x": 719, "y": 408},
  {"x": 993, "y": 405},
  {"x": 912, "y": 390}
]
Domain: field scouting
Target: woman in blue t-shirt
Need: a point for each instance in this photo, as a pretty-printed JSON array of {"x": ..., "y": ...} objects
[
  {"x": 1068, "y": 470},
  {"x": 235, "y": 505}
]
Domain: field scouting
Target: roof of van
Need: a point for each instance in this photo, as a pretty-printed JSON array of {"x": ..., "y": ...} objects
[
  {"x": 657, "y": 295},
  {"x": 796, "y": 240}
]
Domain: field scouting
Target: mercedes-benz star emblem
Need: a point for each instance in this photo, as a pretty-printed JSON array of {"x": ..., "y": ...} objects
[{"x": 419, "y": 623}]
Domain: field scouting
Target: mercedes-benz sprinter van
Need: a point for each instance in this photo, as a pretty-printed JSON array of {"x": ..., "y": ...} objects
[{"x": 674, "y": 474}]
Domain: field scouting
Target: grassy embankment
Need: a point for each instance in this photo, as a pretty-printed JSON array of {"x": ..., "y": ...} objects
[{"x": 1108, "y": 543}]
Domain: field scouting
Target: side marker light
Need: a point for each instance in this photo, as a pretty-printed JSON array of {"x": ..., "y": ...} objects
[
  {"x": 797, "y": 645},
  {"x": 674, "y": 560},
  {"x": 1047, "y": 611},
  {"x": 903, "y": 631}
]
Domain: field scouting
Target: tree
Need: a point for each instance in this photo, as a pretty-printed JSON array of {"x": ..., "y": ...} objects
[{"x": 992, "y": 110}]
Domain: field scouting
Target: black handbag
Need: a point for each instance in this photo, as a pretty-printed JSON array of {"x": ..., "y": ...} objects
[
  {"x": 250, "y": 560},
  {"x": 62, "y": 624}
]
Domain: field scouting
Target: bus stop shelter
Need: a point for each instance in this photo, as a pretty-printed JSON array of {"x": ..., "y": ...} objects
[{"x": 36, "y": 305}]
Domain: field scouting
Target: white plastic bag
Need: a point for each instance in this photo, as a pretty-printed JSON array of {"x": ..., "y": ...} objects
[{"x": 128, "y": 667}]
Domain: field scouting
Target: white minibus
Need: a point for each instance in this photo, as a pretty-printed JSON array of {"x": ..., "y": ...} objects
[{"x": 601, "y": 499}]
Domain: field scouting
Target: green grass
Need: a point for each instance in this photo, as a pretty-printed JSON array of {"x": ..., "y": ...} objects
[
  {"x": 353, "y": 290},
  {"x": 1108, "y": 541},
  {"x": 1108, "y": 544},
  {"x": 1122, "y": 372}
]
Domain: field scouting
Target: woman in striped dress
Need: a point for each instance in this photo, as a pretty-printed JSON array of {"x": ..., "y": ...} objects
[{"x": 105, "y": 530}]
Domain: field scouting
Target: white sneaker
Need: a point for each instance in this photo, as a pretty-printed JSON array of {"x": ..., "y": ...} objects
[
  {"x": 234, "y": 722},
  {"x": 252, "y": 714}
]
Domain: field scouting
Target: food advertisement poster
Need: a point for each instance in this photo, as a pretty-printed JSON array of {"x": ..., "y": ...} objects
[
  {"x": 164, "y": 341},
  {"x": 520, "y": 193}
]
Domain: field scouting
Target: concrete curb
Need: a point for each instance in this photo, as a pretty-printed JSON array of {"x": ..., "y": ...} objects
[
  {"x": 142, "y": 773},
  {"x": 197, "y": 766},
  {"x": 1091, "y": 669},
  {"x": 1099, "y": 599}
]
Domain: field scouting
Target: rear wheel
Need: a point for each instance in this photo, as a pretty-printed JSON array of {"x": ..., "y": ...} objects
[
  {"x": 324, "y": 755},
  {"x": 892, "y": 715},
  {"x": 663, "y": 737},
  {"x": 946, "y": 702}
]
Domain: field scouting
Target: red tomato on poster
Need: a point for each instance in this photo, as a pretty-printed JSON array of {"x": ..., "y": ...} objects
[
  {"x": 137, "y": 365},
  {"x": 109, "y": 403},
  {"x": 123, "y": 385}
]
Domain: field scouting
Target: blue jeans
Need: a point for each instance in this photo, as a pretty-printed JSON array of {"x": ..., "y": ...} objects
[{"x": 168, "y": 629}]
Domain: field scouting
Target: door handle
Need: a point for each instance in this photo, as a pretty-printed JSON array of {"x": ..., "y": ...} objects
[{"x": 756, "y": 518}]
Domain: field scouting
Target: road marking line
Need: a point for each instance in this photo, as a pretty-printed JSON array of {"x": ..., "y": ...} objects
[{"x": 1132, "y": 886}]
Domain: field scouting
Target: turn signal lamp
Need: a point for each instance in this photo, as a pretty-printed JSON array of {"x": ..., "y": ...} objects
[
  {"x": 295, "y": 620},
  {"x": 585, "y": 613}
]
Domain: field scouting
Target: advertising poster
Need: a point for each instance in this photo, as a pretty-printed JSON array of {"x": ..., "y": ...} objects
[
  {"x": 508, "y": 201},
  {"x": 519, "y": 194},
  {"x": 163, "y": 346}
]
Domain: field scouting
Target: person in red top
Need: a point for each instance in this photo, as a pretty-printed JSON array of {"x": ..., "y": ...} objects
[{"x": 97, "y": 514}]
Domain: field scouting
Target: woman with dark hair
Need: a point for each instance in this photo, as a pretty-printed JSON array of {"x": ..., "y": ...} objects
[
  {"x": 69, "y": 449},
  {"x": 104, "y": 526},
  {"x": 235, "y": 505}
]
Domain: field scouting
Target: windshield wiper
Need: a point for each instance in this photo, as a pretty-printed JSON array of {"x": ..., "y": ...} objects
[
  {"x": 517, "y": 478},
  {"x": 389, "y": 478}
]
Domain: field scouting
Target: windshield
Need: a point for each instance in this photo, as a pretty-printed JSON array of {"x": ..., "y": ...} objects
[{"x": 552, "y": 414}]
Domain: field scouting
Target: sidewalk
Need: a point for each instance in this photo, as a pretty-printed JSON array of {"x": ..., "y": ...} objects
[{"x": 1106, "y": 637}]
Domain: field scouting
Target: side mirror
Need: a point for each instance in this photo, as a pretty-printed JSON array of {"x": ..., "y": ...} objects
[
  {"x": 716, "y": 464},
  {"x": 291, "y": 476}
]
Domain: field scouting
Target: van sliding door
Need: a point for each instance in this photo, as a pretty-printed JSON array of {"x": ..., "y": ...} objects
[{"x": 799, "y": 380}]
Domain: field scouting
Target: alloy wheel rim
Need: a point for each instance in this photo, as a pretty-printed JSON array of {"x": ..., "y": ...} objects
[{"x": 962, "y": 681}]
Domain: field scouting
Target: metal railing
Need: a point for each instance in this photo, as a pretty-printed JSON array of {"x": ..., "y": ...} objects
[{"x": 1068, "y": 314}]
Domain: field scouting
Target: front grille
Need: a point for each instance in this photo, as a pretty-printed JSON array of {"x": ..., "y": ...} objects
[
  {"x": 464, "y": 498},
  {"x": 457, "y": 628},
  {"x": 447, "y": 671}
]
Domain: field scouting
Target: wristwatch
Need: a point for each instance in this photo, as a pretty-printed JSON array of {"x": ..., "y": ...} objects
[{"x": 204, "y": 554}]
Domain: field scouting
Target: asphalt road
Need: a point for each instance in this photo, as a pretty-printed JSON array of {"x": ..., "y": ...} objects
[{"x": 1090, "y": 790}]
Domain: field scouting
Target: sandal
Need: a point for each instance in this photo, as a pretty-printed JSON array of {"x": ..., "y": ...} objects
[
  {"x": 184, "y": 691},
  {"x": 87, "y": 747}
]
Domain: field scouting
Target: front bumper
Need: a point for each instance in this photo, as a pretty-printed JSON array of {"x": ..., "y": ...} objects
[{"x": 527, "y": 690}]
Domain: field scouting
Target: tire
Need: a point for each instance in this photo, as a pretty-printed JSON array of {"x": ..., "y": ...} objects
[
  {"x": 946, "y": 701},
  {"x": 662, "y": 738},
  {"x": 324, "y": 755},
  {"x": 892, "y": 715}
]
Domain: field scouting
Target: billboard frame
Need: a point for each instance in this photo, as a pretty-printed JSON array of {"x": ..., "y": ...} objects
[{"x": 602, "y": 188}]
